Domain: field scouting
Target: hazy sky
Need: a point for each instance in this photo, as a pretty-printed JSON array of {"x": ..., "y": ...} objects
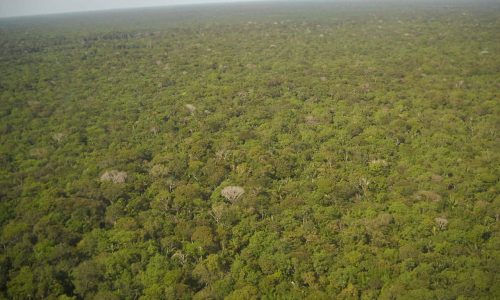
[{"x": 9, "y": 8}]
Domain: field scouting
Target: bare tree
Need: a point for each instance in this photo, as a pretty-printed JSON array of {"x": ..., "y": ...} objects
[
  {"x": 427, "y": 195},
  {"x": 379, "y": 162},
  {"x": 154, "y": 130},
  {"x": 191, "y": 108},
  {"x": 217, "y": 212},
  {"x": 441, "y": 222},
  {"x": 180, "y": 256},
  {"x": 222, "y": 154},
  {"x": 363, "y": 185},
  {"x": 312, "y": 120},
  {"x": 58, "y": 137},
  {"x": 159, "y": 170},
  {"x": 114, "y": 176},
  {"x": 232, "y": 193}
]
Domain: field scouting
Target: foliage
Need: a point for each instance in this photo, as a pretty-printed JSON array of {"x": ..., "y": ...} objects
[{"x": 246, "y": 151}]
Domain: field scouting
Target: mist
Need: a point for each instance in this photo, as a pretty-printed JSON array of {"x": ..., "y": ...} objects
[
  {"x": 10, "y": 8},
  {"x": 13, "y": 8}
]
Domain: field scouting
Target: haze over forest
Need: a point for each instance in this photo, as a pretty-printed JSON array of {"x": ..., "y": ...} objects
[
  {"x": 10, "y": 8},
  {"x": 257, "y": 150}
]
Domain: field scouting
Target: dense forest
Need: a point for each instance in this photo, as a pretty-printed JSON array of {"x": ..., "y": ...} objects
[{"x": 252, "y": 151}]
